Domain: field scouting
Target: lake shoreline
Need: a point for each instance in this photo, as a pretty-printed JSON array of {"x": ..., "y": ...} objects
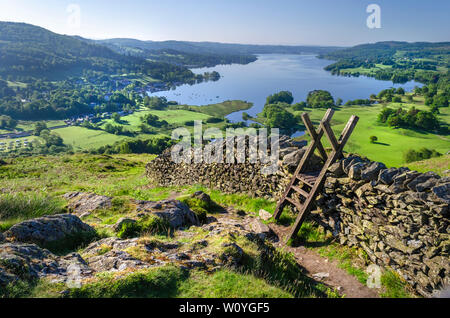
[{"x": 272, "y": 73}]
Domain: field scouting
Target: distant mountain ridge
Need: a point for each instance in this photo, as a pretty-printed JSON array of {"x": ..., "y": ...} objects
[{"x": 215, "y": 47}]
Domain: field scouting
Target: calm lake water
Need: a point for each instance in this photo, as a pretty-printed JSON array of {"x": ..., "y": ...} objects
[{"x": 272, "y": 73}]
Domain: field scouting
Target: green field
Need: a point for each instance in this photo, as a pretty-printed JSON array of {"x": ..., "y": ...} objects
[
  {"x": 176, "y": 117},
  {"x": 222, "y": 109},
  {"x": 363, "y": 70},
  {"x": 392, "y": 143},
  {"x": 81, "y": 138}
]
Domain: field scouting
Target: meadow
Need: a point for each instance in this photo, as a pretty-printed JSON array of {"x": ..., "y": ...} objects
[{"x": 392, "y": 143}]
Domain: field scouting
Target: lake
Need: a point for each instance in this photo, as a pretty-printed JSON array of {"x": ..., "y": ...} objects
[{"x": 272, "y": 73}]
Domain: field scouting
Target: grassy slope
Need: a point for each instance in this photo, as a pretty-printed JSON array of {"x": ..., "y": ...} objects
[
  {"x": 392, "y": 143},
  {"x": 33, "y": 186}
]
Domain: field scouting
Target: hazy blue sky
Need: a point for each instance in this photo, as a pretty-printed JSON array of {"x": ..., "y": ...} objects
[{"x": 313, "y": 22}]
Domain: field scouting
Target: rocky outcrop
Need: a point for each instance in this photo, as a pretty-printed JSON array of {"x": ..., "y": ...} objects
[
  {"x": 19, "y": 261},
  {"x": 176, "y": 213},
  {"x": 231, "y": 178},
  {"x": 82, "y": 203},
  {"x": 49, "y": 230},
  {"x": 400, "y": 218}
]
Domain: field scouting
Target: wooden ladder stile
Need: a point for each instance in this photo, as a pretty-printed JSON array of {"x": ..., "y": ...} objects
[{"x": 314, "y": 180}]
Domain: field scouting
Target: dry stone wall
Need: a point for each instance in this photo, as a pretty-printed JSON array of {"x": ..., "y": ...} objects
[
  {"x": 400, "y": 218},
  {"x": 231, "y": 178}
]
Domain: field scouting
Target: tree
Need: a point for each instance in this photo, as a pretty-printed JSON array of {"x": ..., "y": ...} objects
[
  {"x": 339, "y": 102},
  {"x": 400, "y": 91},
  {"x": 281, "y": 97},
  {"x": 373, "y": 139},
  {"x": 320, "y": 99},
  {"x": 38, "y": 128},
  {"x": 116, "y": 117},
  {"x": 278, "y": 117}
]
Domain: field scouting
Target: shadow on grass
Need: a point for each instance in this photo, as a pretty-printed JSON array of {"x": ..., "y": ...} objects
[{"x": 380, "y": 143}]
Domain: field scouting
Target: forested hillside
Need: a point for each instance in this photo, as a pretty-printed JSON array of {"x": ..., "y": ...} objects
[
  {"x": 396, "y": 61},
  {"x": 31, "y": 51}
]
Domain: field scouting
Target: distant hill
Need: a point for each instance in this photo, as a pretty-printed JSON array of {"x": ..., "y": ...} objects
[
  {"x": 215, "y": 47},
  {"x": 395, "y": 61},
  {"x": 391, "y": 49},
  {"x": 28, "y": 50}
]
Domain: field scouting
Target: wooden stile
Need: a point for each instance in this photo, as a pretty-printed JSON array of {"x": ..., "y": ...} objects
[{"x": 314, "y": 179}]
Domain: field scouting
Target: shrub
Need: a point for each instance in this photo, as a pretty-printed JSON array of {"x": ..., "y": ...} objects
[
  {"x": 421, "y": 154},
  {"x": 214, "y": 120}
]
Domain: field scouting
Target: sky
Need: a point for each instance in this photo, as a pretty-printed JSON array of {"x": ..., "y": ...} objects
[{"x": 287, "y": 22}]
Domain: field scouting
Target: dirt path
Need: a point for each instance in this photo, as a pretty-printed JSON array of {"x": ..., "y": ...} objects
[{"x": 315, "y": 264}]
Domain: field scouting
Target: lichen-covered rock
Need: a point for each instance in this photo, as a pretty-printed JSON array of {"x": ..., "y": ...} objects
[
  {"x": 260, "y": 229},
  {"x": 176, "y": 213},
  {"x": 115, "y": 261},
  {"x": 81, "y": 203},
  {"x": 19, "y": 261},
  {"x": 49, "y": 230}
]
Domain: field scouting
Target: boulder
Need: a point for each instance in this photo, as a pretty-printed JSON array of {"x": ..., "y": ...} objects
[
  {"x": 115, "y": 260},
  {"x": 200, "y": 195},
  {"x": 81, "y": 203},
  {"x": 260, "y": 229},
  {"x": 49, "y": 230},
  {"x": 176, "y": 213}
]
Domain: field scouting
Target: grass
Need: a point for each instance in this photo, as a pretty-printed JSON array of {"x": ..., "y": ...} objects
[
  {"x": 162, "y": 282},
  {"x": 223, "y": 109},
  {"x": 81, "y": 138},
  {"x": 392, "y": 143},
  {"x": 17, "y": 207},
  {"x": 440, "y": 165}
]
